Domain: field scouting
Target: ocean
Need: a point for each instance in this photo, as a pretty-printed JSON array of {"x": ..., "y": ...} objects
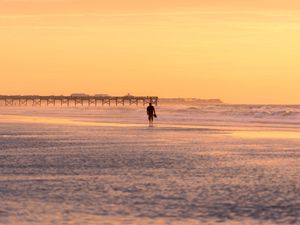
[{"x": 199, "y": 164}]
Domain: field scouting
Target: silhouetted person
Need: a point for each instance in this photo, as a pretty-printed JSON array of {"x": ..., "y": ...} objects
[{"x": 151, "y": 113}]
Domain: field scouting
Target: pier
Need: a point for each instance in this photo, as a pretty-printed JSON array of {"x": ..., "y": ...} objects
[{"x": 74, "y": 101}]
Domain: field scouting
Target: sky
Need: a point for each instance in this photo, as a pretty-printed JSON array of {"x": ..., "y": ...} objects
[{"x": 239, "y": 51}]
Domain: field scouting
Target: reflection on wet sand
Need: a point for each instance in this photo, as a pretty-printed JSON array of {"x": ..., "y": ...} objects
[
  {"x": 239, "y": 132},
  {"x": 266, "y": 134},
  {"x": 75, "y": 171}
]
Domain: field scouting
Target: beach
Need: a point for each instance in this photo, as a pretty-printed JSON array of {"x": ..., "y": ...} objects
[{"x": 212, "y": 164}]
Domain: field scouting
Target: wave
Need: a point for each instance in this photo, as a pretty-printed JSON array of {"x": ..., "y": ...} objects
[
  {"x": 236, "y": 113},
  {"x": 240, "y": 110}
]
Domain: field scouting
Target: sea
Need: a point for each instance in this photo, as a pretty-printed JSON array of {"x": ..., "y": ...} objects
[{"x": 198, "y": 164}]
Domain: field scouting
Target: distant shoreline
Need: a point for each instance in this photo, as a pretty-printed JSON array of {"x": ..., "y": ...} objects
[{"x": 189, "y": 101}]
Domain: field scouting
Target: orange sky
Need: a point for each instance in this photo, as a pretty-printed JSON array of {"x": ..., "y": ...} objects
[{"x": 239, "y": 51}]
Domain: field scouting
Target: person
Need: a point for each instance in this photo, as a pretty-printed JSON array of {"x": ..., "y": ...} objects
[{"x": 151, "y": 113}]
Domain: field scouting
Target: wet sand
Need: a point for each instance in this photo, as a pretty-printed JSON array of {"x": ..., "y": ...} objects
[{"x": 65, "y": 169}]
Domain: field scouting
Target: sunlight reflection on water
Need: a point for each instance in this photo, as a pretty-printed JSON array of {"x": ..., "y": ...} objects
[
  {"x": 240, "y": 132},
  {"x": 267, "y": 134}
]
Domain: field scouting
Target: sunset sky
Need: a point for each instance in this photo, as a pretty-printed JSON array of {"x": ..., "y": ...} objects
[{"x": 240, "y": 51}]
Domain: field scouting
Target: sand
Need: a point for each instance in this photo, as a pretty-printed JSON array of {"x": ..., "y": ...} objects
[{"x": 106, "y": 166}]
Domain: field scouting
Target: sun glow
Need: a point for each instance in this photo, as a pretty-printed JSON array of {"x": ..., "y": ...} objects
[{"x": 240, "y": 52}]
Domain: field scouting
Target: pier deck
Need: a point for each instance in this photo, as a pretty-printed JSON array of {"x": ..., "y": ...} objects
[{"x": 74, "y": 101}]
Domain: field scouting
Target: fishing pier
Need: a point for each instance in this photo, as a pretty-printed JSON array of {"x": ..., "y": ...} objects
[{"x": 74, "y": 101}]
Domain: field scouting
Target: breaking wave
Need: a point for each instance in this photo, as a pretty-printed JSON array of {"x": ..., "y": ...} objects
[{"x": 279, "y": 113}]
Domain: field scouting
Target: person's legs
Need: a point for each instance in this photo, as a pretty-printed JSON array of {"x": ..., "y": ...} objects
[{"x": 150, "y": 118}]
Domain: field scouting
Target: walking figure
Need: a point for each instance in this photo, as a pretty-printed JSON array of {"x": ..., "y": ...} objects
[{"x": 151, "y": 114}]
